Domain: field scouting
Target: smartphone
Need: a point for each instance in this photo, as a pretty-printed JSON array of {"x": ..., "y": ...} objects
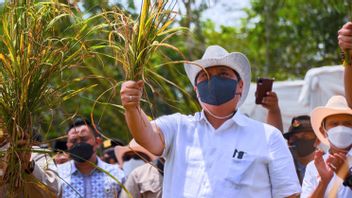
[{"x": 263, "y": 86}]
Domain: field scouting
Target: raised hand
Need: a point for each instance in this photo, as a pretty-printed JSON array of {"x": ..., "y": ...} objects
[
  {"x": 271, "y": 101},
  {"x": 131, "y": 93},
  {"x": 324, "y": 170},
  {"x": 339, "y": 164},
  {"x": 345, "y": 36}
]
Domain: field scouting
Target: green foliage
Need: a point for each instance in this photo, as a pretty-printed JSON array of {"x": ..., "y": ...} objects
[
  {"x": 286, "y": 38},
  {"x": 34, "y": 57}
]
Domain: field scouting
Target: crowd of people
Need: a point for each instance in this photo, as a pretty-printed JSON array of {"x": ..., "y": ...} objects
[{"x": 217, "y": 152}]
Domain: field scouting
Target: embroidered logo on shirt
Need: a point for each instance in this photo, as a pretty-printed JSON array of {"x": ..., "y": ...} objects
[{"x": 238, "y": 154}]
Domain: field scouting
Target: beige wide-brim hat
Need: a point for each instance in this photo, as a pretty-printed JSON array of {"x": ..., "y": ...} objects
[
  {"x": 133, "y": 146},
  {"x": 216, "y": 55},
  {"x": 335, "y": 105}
]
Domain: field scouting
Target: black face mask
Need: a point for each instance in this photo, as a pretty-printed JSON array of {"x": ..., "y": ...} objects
[
  {"x": 81, "y": 152},
  {"x": 303, "y": 147}
]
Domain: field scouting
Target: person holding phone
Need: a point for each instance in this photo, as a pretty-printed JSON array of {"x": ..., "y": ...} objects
[
  {"x": 218, "y": 152},
  {"x": 271, "y": 103},
  {"x": 268, "y": 99}
]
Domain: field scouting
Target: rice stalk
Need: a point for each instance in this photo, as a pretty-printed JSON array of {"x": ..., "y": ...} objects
[
  {"x": 135, "y": 42},
  {"x": 33, "y": 54}
]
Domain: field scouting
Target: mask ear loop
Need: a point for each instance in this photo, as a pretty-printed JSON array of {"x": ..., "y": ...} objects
[{"x": 212, "y": 114}]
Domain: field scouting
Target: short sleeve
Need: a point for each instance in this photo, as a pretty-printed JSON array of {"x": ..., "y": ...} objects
[
  {"x": 168, "y": 126},
  {"x": 282, "y": 172},
  {"x": 131, "y": 185}
]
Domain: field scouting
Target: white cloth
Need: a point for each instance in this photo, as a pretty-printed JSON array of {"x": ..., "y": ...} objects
[
  {"x": 311, "y": 180},
  {"x": 45, "y": 169},
  {"x": 242, "y": 158}
]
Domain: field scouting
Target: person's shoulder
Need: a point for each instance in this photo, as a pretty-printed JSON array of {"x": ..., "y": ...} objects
[
  {"x": 262, "y": 126},
  {"x": 107, "y": 166},
  {"x": 143, "y": 169},
  {"x": 114, "y": 169},
  {"x": 179, "y": 117}
]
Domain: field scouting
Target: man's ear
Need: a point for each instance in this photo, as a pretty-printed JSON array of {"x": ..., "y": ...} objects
[
  {"x": 196, "y": 90},
  {"x": 322, "y": 131},
  {"x": 241, "y": 84}
]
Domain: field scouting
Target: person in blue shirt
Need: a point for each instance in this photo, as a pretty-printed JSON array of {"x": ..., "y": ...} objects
[{"x": 84, "y": 175}]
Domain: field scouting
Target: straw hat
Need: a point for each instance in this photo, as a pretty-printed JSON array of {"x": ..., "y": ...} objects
[
  {"x": 133, "y": 146},
  {"x": 216, "y": 55},
  {"x": 335, "y": 105}
]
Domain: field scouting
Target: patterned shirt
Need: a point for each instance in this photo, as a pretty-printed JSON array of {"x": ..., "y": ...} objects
[{"x": 95, "y": 185}]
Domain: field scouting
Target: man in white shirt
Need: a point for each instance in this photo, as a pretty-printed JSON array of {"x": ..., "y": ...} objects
[
  {"x": 325, "y": 176},
  {"x": 217, "y": 152}
]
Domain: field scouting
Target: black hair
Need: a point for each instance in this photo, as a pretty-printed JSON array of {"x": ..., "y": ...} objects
[
  {"x": 111, "y": 155},
  {"x": 59, "y": 145},
  {"x": 236, "y": 73},
  {"x": 83, "y": 121}
]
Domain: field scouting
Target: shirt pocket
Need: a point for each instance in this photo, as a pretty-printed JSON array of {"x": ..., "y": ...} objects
[{"x": 239, "y": 172}]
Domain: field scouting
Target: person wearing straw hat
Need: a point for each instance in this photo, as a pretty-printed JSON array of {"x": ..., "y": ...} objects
[
  {"x": 132, "y": 156},
  {"x": 145, "y": 181},
  {"x": 218, "y": 152},
  {"x": 345, "y": 38},
  {"x": 328, "y": 175}
]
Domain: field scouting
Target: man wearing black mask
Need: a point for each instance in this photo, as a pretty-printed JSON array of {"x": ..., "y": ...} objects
[
  {"x": 302, "y": 142},
  {"x": 83, "y": 176}
]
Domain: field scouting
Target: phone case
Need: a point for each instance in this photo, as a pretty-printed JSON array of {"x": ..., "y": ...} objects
[{"x": 263, "y": 86}]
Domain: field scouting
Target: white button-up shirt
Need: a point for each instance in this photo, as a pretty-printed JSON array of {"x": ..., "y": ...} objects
[
  {"x": 241, "y": 158},
  {"x": 334, "y": 188}
]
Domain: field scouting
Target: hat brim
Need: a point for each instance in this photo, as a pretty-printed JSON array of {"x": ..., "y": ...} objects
[
  {"x": 319, "y": 114},
  {"x": 287, "y": 135},
  {"x": 120, "y": 151},
  {"x": 235, "y": 60}
]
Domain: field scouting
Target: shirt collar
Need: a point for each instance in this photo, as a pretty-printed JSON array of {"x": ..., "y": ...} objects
[
  {"x": 238, "y": 118},
  {"x": 74, "y": 169}
]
